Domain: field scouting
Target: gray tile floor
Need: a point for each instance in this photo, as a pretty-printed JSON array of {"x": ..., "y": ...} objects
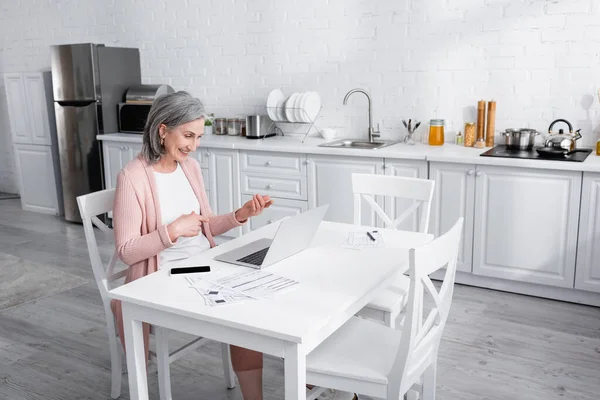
[{"x": 496, "y": 345}]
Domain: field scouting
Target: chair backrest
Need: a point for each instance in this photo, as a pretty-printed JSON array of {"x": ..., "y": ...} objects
[
  {"x": 421, "y": 339},
  {"x": 90, "y": 206},
  {"x": 365, "y": 186}
]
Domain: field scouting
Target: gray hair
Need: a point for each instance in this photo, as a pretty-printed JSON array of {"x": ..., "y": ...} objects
[{"x": 172, "y": 110}]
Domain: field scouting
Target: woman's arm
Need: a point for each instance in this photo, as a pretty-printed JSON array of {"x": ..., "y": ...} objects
[{"x": 132, "y": 246}]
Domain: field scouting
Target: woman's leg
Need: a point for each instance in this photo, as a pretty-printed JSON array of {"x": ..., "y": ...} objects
[{"x": 248, "y": 366}]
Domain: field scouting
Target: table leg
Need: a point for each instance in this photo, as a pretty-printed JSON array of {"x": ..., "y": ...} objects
[
  {"x": 136, "y": 362},
  {"x": 295, "y": 372}
]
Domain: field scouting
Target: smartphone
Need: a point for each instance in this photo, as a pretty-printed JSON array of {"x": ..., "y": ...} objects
[{"x": 189, "y": 270}]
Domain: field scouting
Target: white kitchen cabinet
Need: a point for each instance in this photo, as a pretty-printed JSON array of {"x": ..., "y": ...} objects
[
  {"x": 36, "y": 178},
  {"x": 394, "y": 207},
  {"x": 224, "y": 181},
  {"x": 281, "y": 208},
  {"x": 587, "y": 276},
  {"x": 28, "y": 108},
  {"x": 17, "y": 108},
  {"x": 526, "y": 223},
  {"x": 454, "y": 197},
  {"x": 116, "y": 155},
  {"x": 35, "y": 93},
  {"x": 330, "y": 182}
]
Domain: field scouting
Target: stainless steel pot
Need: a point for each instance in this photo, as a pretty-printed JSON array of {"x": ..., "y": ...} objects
[{"x": 519, "y": 139}]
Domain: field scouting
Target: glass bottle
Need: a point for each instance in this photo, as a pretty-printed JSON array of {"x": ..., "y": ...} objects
[
  {"x": 436, "y": 132},
  {"x": 598, "y": 147},
  {"x": 459, "y": 139}
]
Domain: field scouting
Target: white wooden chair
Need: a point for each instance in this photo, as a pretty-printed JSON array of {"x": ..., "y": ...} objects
[
  {"x": 368, "y": 358},
  {"x": 90, "y": 206},
  {"x": 387, "y": 305}
]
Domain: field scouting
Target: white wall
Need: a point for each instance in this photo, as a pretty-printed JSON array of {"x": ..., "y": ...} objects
[{"x": 420, "y": 59}]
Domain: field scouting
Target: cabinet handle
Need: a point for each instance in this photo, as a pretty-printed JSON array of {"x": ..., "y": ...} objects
[
  {"x": 269, "y": 163},
  {"x": 270, "y": 186},
  {"x": 478, "y": 173},
  {"x": 306, "y": 162},
  {"x": 270, "y": 221},
  {"x": 126, "y": 147},
  {"x": 208, "y": 154},
  {"x": 383, "y": 166},
  {"x": 470, "y": 172}
]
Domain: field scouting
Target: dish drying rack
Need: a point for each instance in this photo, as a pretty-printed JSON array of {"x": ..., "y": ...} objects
[{"x": 274, "y": 127}]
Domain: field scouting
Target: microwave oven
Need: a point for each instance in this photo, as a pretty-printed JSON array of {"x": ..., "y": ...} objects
[{"x": 132, "y": 117}]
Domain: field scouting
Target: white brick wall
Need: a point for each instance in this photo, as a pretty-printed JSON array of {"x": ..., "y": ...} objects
[{"x": 539, "y": 59}]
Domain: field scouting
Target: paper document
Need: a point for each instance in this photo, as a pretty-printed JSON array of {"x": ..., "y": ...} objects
[
  {"x": 364, "y": 239},
  {"x": 218, "y": 289}
]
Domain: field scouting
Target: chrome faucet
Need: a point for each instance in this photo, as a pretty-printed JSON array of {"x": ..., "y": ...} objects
[{"x": 372, "y": 132}]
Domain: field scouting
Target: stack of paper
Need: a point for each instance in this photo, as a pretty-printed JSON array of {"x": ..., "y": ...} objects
[
  {"x": 218, "y": 289},
  {"x": 363, "y": 239}
]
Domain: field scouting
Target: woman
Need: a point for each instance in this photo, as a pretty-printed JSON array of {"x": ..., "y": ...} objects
[{"x": 161, "y": 211}]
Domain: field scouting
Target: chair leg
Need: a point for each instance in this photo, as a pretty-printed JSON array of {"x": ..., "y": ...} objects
[
  {"x": 116, "y": 364},
  {"x": 429, "y": 376},
  {"x": 116, "y": 360},
  {"x": 162, "y": 363},
  {"x": 227, "y": 368}
]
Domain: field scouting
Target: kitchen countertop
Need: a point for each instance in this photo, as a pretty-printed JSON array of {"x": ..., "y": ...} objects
[{"x": 448, "y": 153}]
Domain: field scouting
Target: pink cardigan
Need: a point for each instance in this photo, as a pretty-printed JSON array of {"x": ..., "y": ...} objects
[{"x": 139, "y": 232}]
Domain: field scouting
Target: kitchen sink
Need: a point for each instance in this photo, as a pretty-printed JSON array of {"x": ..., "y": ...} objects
[{"x": 358, "y": 144}]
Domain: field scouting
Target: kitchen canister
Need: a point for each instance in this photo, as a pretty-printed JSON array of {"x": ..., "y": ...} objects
[
  {"x": 220, "y": 127},
  {"x": 436, "y": 132}
]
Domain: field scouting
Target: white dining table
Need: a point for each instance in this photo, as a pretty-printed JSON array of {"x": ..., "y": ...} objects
[{"x": 334, "y": 283}]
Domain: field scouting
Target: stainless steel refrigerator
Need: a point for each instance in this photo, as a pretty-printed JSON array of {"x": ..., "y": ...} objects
[{"x": 88, "y": 80}]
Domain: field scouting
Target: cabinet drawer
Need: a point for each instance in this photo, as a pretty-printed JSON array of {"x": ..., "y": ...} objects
[
  {"x": 281, "y": 208},
  {"x": 287, "y": 187},
  {"x": 274, "y": 163}
]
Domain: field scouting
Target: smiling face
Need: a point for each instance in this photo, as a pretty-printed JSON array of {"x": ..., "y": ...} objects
[{"x": 180, "y": 141}]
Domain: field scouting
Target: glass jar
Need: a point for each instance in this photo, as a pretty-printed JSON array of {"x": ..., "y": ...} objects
[
  {"x": 469, "y": 134},
  {"x": 233, "y": 127},
  {"x": 436, "y": 132},
  {"x": 220, "y": 127},
  {"x": 243, "y": 126},
  {"x": 598, "y": 147}
]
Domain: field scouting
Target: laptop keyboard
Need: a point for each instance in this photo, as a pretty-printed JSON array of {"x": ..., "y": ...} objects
[{"x": 255, "y": 258}]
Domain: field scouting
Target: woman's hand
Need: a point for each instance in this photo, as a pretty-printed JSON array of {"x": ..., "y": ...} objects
[
  {"x": 253, "y": 207},
  {"x": 186, "y": 225}
]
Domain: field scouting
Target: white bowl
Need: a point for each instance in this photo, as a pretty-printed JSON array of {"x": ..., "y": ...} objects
[{"x": 329, "y": 134}]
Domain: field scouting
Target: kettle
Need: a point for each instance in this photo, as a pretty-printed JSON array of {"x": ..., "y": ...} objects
[{"x": 562, "y": 140}]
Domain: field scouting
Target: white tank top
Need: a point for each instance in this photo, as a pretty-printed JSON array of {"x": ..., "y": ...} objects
[{"x": 176, "y": 197}]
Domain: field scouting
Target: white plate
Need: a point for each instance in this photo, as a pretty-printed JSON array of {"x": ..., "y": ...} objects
[
  {"x": 273, "y": 100},
  {"x": 289, "y": 105},
  {"x": 281, "y": 111},
  {"x": 312, "y": 105},
  {"x": 298, "y": 113},
  {"x": 302, "y": 103}
]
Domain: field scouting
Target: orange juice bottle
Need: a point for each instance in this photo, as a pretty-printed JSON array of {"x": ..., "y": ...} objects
[{"x": 436, "y": 132}]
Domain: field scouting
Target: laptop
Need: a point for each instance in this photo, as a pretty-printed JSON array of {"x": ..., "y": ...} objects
[{"x": 293, "y": 235}]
